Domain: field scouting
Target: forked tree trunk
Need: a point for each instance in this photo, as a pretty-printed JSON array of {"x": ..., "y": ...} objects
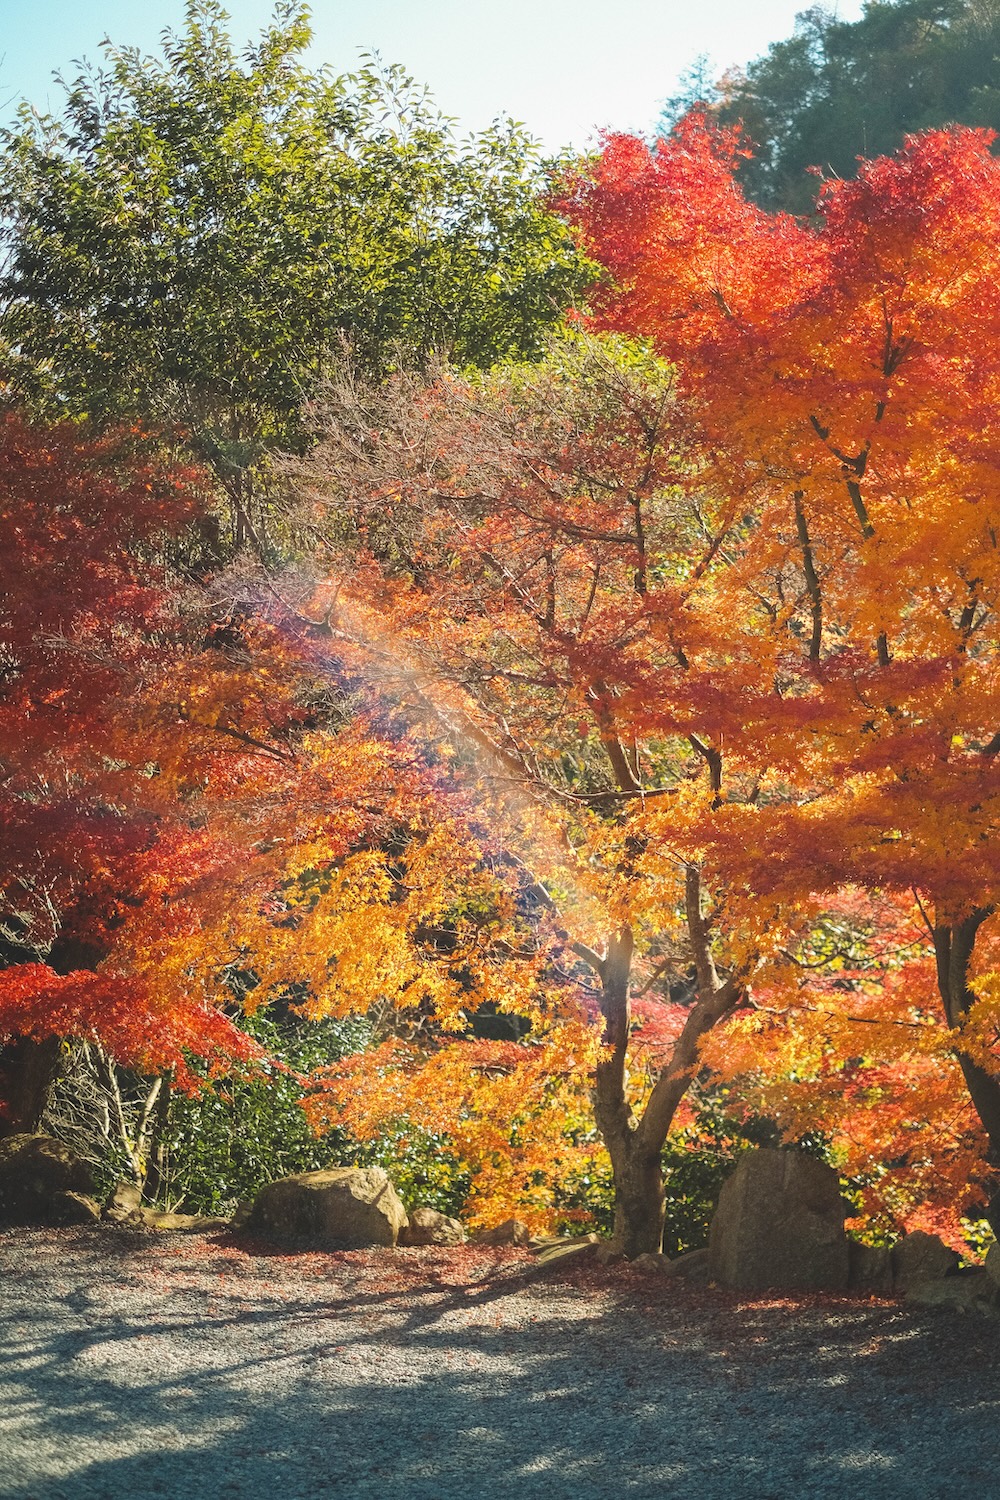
[
  {"x": 635, "y": 1145},
  {"x": 638, "y": 1179},
  {"x": 953, "y": 947}
]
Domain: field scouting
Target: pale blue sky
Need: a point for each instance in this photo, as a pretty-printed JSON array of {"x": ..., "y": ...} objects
[{"x": 564, "y": 67}]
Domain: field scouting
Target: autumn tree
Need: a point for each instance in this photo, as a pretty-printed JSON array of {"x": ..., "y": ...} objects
[
  {"x": 183, "y": 799},
  {"x": 198, "y": 234},
  {"x": 536, "y": 575},
  {"x": 847, "y": 1047},
  {"x": 79, "y": 616},
  {"x": 842, "y": 384}
]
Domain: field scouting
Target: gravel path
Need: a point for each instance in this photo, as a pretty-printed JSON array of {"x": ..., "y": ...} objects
[{"x": 192, "y": 1367}]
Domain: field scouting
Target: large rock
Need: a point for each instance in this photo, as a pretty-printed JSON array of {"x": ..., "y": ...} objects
[
  {"x": 779, "y": 1224},
  {"x": 428, "y": 1227},
  {"x": 970, "y": 1291},
  {"x": 693, "y": 1265},
  {"x": 510, "y": 1232},
  {"x": 124, "y": 1205},
  {"x": 346, "y": 1208},
  {"x": 652, "y": 1260},
  {"x": 36, "y": 1175},
  {"x": 992, "y": 1264},
  {"x": 74, "y": 1208},
  {"x": 171, "y": 1223},
  {"x": 921, "y": 1257}
]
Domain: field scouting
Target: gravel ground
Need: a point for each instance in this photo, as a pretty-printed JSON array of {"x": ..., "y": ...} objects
[{"x": 212, "y": 1367}]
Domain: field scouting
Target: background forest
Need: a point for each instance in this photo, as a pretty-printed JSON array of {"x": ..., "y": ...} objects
[{"x": 498, "y": 664}]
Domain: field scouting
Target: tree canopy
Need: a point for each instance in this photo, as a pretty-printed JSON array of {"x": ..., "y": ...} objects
[
  {"x": 199, "y": 234},
  {"x": 839, "y": 381},
  {"x": 631, "y": 688},
  {"x": 836, "y": 91}
]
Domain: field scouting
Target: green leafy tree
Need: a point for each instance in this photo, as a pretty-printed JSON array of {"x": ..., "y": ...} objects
[
  {"x": 837, "y": 90},
  {"x": 197, "y": 234}
]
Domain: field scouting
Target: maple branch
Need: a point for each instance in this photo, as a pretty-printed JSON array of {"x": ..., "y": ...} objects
[
  {"x": 706, "y": 561},
  {"x": 713, "y": 759},
  {"x": 590, "y": 958},
  {"x": 658, "y": 972},
  {"x": 821, "y": 963},
  {"x": 595, "y": 580},
  {"x": 860, "y": 509},
  {"x": 868, "y": 531},
  {"x": 854, "y": 463},
  {"x": 836, "y": 1015},
  {"x": 673, "y": 1082},
  {"x": 699, "y": 931},
  {"x": 600, "y": 697},
  {"x": 621, "y": 796},
  {"x": 812, "y": 579},
  {"x": 640, "y": 541},
  {"x": 521, "y": 594},
  {"x": 558, "y": 522},
  {"x": 548, "y": 623},
  {"x": 953, "y": 945},
  {"x": 285, "y": 757},
  {"x": 920, "y": 907}
]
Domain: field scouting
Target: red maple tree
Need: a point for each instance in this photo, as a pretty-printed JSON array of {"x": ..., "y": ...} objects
[
  {"x": 181, "y": 795},
  {"x": 840, "y": 384}
]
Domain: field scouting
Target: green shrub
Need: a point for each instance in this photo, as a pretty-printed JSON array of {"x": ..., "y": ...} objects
[{"x": 243, "y": 1131}]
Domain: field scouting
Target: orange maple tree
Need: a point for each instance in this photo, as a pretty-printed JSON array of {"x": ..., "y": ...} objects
[
  {"x": 182, "y": 797},
  {"x": 840, "y": 384},
  {"x": 536, "y": 580}
]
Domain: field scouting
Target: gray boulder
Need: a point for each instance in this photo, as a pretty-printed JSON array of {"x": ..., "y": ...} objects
[
  {"x": 921, "y": 1257},
  {"x": 427, "y": 1227},
  {"x": 608, "y": 1254},
  {"x": 970, "y": 1291},
  {"x": 652, "y": 1260},
  {"x": 169, "y": 1223},
  {"x": 346, "y": 1208},
  {"x": 510, "y": 1232},
  {"x": 74, "y": 1208},
  {"x": 693, "y": 1265},
  {"x": 779, "y": 1223},
  {"x": 124, "y": 1205},
  {"x": 36, "y": 1174}
]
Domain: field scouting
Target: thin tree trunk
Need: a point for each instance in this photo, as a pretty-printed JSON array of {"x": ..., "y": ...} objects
[
  {"x": 155, "y": 1132},
  {"x": 953, "y": 948},
  {"x": 29, "y": 1066}
]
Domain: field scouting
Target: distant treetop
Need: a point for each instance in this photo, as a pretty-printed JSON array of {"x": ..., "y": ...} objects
[{"x": 835, "y": 90}]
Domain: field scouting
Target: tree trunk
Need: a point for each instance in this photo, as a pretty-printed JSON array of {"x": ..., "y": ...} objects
[
  {"x": 953, "y": 947},
  {"x": 635, "y": 1146},
  {"x": 639, "y": 1200},
  {"x": 637, "y": 1177},
  {"x": 157, "y": 1126},
  {"x": 28, "y": 1069}
]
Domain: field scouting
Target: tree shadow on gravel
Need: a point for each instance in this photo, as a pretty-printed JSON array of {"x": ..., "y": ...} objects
[{"x": 511, "y": 1390}]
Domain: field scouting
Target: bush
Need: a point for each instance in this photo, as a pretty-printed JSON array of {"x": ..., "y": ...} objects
[{"x": 208, "y": 1152}]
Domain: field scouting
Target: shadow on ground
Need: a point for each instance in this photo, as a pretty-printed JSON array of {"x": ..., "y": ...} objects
[{"x": 509, "y": 1391}]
